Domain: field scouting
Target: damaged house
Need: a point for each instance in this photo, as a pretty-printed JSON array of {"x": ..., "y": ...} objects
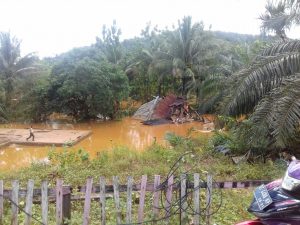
[{"x": 164, "y": 110}]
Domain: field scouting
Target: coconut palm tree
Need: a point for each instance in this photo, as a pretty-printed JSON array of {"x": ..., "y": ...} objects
[
  {"x": 188, "y": 49},
  {"x": 12, "y": 64}
]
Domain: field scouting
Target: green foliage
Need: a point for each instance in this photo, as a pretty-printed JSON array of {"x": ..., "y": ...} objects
[
  {"x": 12, "y": 66},
  {"x": 183, "y": 143},
  {"x": 74, "y": 166},
  {"x": 280, "y": 16},
  {"x": 110, "y": 44},
  {"x": 84, "y": 87},
  {"x": 269, "y": 87}
]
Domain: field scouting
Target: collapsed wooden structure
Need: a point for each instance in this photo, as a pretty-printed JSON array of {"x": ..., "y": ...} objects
[{"x": 164, "y": 110}]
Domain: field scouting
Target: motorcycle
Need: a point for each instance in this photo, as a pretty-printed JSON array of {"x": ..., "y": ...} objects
[{"x": 278, "y": 202}]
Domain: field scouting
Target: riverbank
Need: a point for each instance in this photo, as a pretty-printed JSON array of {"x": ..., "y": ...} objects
[{"x": 75, "y": 166}]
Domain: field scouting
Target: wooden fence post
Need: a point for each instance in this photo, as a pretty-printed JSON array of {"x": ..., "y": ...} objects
[
  {"x": 59, "y": 202},
  {"x": 15, "y": 202},
  {"x": 44, "y": 193},
  {"x": 28, "y": 205},
  {"x": 117, "y": 199},
  {"x": 66, "y": 203},
  {"x": 129, "y": 200},
  {"x": 87, "y": 201},
  {"x": 156, "y": 195},
  {"x": 183, "y": 197},
  {"x": 1, "y": 201},
  {"x": 142, "y": 199},
  {"x": 102, "y": 200},
  {"x": 208, "y": 199},
  {"x": 169, "y": 198},
  {"x": 196, "y": 199}
]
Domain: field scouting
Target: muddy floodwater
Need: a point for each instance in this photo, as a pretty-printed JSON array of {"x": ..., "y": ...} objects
[{"x": 105, "y": 135}]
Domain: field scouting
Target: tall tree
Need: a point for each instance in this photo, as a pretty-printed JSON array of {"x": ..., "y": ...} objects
[
  {"x": 110, "y": 43},
  {"x": 280, "y": 16},
  {"x": 189, "y": 49},
  {"x": 269, "y": 90},
  {"x": 12, "y": 64},
  {"x": 85, "y": 86}
]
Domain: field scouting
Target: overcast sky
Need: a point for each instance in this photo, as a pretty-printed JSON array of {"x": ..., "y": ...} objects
[{"x": 50, "y": 27}]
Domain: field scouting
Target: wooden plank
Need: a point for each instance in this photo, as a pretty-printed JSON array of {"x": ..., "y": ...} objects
[
  {"x": 87, "y": 201},
  {"x": 142, "y": 199},
  {"x": 28, "y": 206},
  {"x": 44, "y": 193},
  {"x": 208, "y": 199},
  {"x": 183, "y": 199},
  {"x": 228, "y": 184},
  {"x": 129, "y": 200},
  {"x": 196, "y": 199},
  {"x": 240, "y": 185},
  {"x": 59, "y": 202},
  {"x": 117, "y": 199},
  {"x": 102, "y": 200},
  {"x": 15, "y": 202},
  {"x": 156, "y": 196},
  {"x": 1, "y": 201},
  {"x": 168, "y": 202}
]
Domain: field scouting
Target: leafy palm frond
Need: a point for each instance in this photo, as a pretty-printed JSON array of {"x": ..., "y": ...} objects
[
  {"x": 11, "y": 63},
  {"x": 277, "y": 18},
  {"x": 280, "y": 112},
  {"x": 265, "y": 74},
  {"x": 212, "y": 84},
  {"x": 280, "y": 47}
]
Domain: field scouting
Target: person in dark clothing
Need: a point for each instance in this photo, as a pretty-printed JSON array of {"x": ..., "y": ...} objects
[{"x": 30, "y": 134}]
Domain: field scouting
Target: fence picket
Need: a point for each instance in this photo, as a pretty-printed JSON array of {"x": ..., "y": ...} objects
[
  {"x": 196, "y": 199},
  {"x": 129, "y": 200},
  {"x": 59, "y": 202},
  {"x": 156, "y": 195},
  {"x": 183, "y": 197},
  {"x": 142, "y": 199},
  {"x": 102, "y": 200},
  {"x": 87, "y": 201},
  {"x": 169, "y": 198},
  {"x": 1, "y": 201},
  {"x": 15, "y": 202},
  {"x": 117, "y": 199},
  {"x": 32, "y": 195},
  {"x": 28, "y": 206},
  {"x": 208, "y": 199},
  {"x": 44, "y": 193}
]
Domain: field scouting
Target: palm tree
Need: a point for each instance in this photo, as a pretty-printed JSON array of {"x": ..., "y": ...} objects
[
  {"x": 188, "y": 50},
  {"x": 280, "y": 16},
  {"x": 110, "y": 43},
  {"x": 12, "y": 64},
  {"x": 269, "y": 90}
]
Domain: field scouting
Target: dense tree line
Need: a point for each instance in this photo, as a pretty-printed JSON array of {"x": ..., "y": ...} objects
[
  {"x": 219, "y": 72},
  {"x": 91, "y": 81}
]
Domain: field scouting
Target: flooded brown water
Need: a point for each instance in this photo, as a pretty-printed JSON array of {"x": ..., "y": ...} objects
[{"x": 105, "y": 135}]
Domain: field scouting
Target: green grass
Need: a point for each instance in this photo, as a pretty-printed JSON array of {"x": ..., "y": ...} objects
[{"x": 74, "y": 167}]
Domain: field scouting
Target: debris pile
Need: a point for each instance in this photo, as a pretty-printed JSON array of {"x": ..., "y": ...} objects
[{"x": 164, "y": 110}]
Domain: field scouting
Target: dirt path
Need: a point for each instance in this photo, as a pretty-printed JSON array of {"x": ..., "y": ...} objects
[{"x": 42, "y": 137}]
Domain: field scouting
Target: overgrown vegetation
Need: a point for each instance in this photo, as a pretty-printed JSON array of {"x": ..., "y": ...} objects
[
  {"x": 74, "y": 166},
  {"x": 224, "y": 73}
]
